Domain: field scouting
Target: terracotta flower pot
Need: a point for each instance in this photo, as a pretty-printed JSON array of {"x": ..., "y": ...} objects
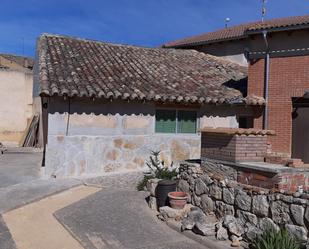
[{"x": 178, "y": 199}]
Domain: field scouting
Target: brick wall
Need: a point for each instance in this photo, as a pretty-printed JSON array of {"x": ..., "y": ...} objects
[
  {"x": 289, "y": 77},
  {"x": 233, "y": 147}
]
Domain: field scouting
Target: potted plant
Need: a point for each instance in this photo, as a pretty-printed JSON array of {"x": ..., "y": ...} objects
[
  {"x": 159, "y": 178},
  {"x": 178, "y": 199}
]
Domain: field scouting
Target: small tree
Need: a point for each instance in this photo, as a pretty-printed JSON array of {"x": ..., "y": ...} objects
[{"x": 157, "y": 169}]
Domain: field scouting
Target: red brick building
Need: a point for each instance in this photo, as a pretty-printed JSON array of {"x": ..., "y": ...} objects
[{"x": 277, "y": 54}]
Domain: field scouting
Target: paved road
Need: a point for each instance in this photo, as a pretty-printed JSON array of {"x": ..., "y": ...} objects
[
  {"x": 20, "y": 184},
  {"x": 120, "y": 219},
  {"x": 19, "y": 165},
  {"x": 116, "y": 217},
  {"x": 6, "y": 241}
]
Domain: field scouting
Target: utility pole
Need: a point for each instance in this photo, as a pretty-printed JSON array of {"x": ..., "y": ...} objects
[{"x": 263, "y": 9}]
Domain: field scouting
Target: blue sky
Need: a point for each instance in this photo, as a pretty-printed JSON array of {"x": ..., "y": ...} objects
[{"x": 139, "y": 22}]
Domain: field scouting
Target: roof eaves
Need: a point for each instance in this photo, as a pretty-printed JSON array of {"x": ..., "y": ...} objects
[
  {"x": 252, "y": 31},
  {"x": 200, "y": 43}
]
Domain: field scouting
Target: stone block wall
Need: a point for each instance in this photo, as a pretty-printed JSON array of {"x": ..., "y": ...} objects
[
  {"x": 99, "y": 137},
  {"x": 225, "y": 145},
  {"x": 68, "y": 156},
  {"x": 254, "y": 208}
]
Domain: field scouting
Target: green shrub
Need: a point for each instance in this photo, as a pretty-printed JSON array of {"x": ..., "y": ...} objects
[
  {"x": 142, "y": 183},
  {"x": 157, "y": 169},
  {"x": 271, "y": 239}
]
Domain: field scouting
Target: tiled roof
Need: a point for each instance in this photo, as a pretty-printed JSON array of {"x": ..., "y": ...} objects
[
  {"x": 25, "y": 62},
  {"x": 239, "y": 31},
  {"x": 78, "y": 67},
  {"x": 230, "y": 33},
  {"x": 238, "y": 131},
  {"x": 281, "y": 23}
]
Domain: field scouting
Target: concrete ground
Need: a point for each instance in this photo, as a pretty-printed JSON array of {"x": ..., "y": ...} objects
[
  {"x": 34, "y": 226},
  {"x": 120, "y": 219},
  {"x": 19, "y": 165},
  {"x": 95, "y": 213},
  {"x": 20, "y": 184}
]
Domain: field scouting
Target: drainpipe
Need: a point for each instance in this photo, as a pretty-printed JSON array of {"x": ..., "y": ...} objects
[
  {"x": 68, "y": 120},
  {"x": 266, "y": 81}
]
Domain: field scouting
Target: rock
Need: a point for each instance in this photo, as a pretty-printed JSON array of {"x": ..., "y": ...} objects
[
  {"x": 228, "y": 195},
  {"x": 227, "y": 220},
  {"x": 183, "y": 186},
  {"x": 297, "y": 214},
  {"x": 223, "y": 209},
  {"x": 205, "y": 229},
  {"x": 260, "y": 205},
  {"x": 235, "y": 241},
  {"x": 280, "y": 213},
  {"x": 196, "y": 200},
  {"x": 177, "y": 214},
  {"x": 298, "y": 232},
  {"x": 152, "y": 203},
  {"x": 306, "y": 217},
  {"x": 215, "y": 192},
  {"x": 222, "y": 233},
  {"x": 207, "y": 204},
  {"x": 243, "y": 201},
  {"x": 200, "y": 187},
  {"x": 191, "y": 182},
  {"x": 152, "y": 185},
  {"x": 297, "y": 194},
  {"x": 233, "y": 225},
  {"x": 168, "y": 212},
  {"x": 252, "y": 233},
  {"x": 205, "y": 178},
  {"x": 300, "y": 201},
  {"x": 267, "y": 223},
  {"x": 246, "y": 217},
  {"x": 183, "y": 175},
  {"x": 287, "y": 198},
  {"x": 195, "y": 215}
]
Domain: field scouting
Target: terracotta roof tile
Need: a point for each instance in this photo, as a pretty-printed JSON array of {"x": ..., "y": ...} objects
[
  {"x": 239, "y": 31},
  {"x": 25, "y": 62},
  {"x": 238, "y": 131},
  {"x": 79, "y": 67}
]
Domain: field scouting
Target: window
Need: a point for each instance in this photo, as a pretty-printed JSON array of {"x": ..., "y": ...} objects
[
  {"x": 165, "y": 121},
  {"x": 175, "y": 121},
  {"x": 186, "y": 122},
  {"x": 245, "y": 122}
]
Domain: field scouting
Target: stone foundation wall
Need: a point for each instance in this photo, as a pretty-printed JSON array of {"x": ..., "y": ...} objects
[
  {"x": 254, "y": 209},
  {"x": 68, "y": 156}
]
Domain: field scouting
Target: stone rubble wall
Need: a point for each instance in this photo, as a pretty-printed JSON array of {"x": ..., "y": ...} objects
[
  {"x": 69, "y": 156},
  {"x": 247, "y": 210}
]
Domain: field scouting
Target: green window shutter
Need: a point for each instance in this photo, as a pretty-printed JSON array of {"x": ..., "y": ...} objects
[
  {"x": 186, "y": 122},
  {"x": 165, "y": 121}
]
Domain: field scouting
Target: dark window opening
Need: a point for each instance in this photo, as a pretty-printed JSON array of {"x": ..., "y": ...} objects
[{"x": 245, "y": 122}]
